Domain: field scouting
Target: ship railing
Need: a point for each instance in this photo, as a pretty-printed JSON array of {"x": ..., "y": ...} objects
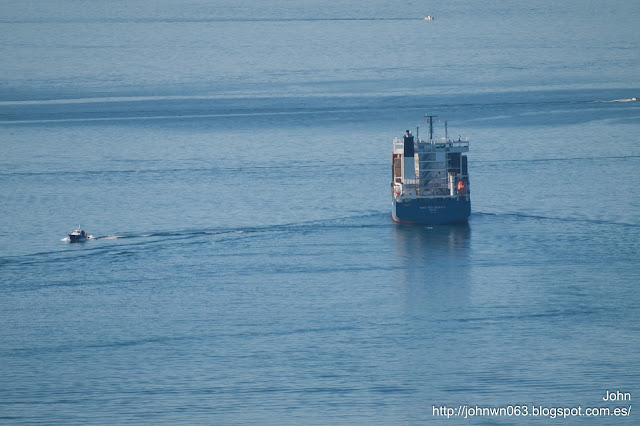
[
  {"x": 427, "y": 145},
  {"x": 441, "y": 187},
  {"x": 437, "y": 192},
  {"x": 411, "y": 182}
]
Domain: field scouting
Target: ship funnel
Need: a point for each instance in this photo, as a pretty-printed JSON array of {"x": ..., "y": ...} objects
[
  {"x": 409, "y": 166},
  {"x": 408, "y": 144}
]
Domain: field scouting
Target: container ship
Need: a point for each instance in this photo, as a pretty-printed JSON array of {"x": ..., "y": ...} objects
[{"x": 430, "y": 180}]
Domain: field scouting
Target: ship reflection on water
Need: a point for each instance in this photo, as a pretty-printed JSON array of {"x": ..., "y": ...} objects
[
  {"x": 432, "y": 242},
  {"x": 433, "y": 266}
]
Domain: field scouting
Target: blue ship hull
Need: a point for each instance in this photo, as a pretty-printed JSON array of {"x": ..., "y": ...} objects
[{"x": 432, "y": 211}]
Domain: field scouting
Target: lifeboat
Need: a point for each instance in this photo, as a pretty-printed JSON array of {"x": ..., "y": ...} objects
[{"x": 462, "y": 188}]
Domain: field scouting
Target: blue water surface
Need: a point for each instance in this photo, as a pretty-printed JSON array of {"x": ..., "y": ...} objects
[{"x": 232, "y": 162}]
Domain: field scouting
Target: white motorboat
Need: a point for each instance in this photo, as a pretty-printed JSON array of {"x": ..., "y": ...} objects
[{"x": 78, "y": 235}]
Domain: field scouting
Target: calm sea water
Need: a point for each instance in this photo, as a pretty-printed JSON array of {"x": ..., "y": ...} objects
[{"x": 231, "y": 160}]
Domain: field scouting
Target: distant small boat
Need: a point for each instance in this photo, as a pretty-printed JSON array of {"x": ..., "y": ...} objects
[
  {"x": 634, "y": 99},
  {"x": 78, "y": 235},
  {"x": 428, "y": 18}
]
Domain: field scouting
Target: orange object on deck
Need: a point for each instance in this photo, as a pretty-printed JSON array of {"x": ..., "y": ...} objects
[{"x": 461, "y": 187}]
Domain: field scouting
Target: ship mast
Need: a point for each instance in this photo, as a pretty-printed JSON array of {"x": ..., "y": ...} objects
[{"x": 430, "y": 117}]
